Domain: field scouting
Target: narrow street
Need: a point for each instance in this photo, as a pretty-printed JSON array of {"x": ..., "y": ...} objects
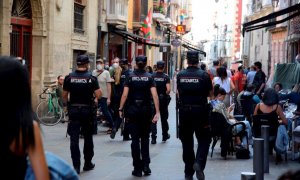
[{"x": 113, "y": 158}]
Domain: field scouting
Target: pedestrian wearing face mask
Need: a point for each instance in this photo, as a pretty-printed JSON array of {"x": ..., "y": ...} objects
[
  {"x": 104, "y": 81},
  {"x": 116, "y": 72}
]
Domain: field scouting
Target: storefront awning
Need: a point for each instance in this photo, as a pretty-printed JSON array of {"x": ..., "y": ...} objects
[
  {"x": 258, "y": 23},
  {"x": 191, "y": 47},
  {"x": 135, "y": 38}
]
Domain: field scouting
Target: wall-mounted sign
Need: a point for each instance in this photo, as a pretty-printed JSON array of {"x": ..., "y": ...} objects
[
  {"x": 175, "y": 43},
  {"x": 180, "y": 29}
]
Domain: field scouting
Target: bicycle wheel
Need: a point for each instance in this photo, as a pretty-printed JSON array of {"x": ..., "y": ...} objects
[{"x": 49, "y": 114}]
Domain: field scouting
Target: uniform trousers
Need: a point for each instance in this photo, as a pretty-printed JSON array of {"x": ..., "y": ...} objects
[
  {"x": 81, "y": 118},
  {"x": 139, "y": 130},
  {"x": 164, "y": 115},
  {"x": 194, "y": 120}
]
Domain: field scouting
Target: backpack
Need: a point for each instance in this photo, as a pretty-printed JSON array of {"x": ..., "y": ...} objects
[{"x": 58, "y": 169}]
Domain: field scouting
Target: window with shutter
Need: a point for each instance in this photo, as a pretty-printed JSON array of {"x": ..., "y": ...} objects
[{"x": 79, "y": 6}]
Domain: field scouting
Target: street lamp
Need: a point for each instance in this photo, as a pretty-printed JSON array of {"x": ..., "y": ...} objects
[{"x": 275, "y": 3}]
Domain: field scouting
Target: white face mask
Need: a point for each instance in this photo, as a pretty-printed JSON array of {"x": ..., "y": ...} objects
[
  {"x": 99, "y": 67},
  {"x": 115, "y": 65}
]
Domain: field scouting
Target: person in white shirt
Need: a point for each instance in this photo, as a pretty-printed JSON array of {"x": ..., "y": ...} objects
[
  {"x": 104, "y": 81},
  {"x": 225, "y": 82}
]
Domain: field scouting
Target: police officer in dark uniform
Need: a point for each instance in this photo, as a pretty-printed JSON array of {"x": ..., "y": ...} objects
[
  {"x": 138, "y": 89},
  {"x": 124, "y": 75},
  {"x": 194, "y": 86},
  {"x": 84, "y": 90},
  {"x": 162, "y": 81}
]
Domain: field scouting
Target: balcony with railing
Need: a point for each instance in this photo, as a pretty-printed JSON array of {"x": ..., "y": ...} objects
[
  {"x": 117, "y": 12},
  {"x": 159, "y": 10}
]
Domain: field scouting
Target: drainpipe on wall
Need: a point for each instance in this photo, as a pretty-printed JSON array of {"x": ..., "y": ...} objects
[
  {"x": 99, "y": 41},
  {"x": 125, "y": 49},
  {"x": 105, "y": 48},
  {"x": 98, "y": 52}
]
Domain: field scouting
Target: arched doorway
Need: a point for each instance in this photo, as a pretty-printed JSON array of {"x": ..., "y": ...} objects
[{"x": 21, "y": 35}]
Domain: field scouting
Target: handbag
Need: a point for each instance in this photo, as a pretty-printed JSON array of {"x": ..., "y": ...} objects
[
  {"x": 242, "y": 153},
  {"x": 58, "y": 169}
]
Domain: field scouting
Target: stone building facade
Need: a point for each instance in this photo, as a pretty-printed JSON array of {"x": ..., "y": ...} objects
[
  {"x": 257, "y": 46},
  {"x": 49, "y": 36}
]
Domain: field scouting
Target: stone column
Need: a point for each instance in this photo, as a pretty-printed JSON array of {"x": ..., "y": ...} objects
[
  {"x": 49, "y": 78},
  {"x": 5, "y": 28},
  {"x": 39, "y": 37}
]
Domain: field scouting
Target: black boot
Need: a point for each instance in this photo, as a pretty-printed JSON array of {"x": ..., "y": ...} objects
[
  {"x": 136, "y": 172},
  {"x": 88, "y": 166},
  {"x": 199, "y": 171},
  {"x": 165, "y": 138},
  {"x": 146, "y": 170},
  {"x": 153, "y": 141},
  {"x": 113, "y": 133}
]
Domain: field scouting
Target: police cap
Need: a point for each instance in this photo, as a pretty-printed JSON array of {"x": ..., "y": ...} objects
[
  {"x": 160, "y": 64},
  {"x": 124, "y": 61},
  {"x": 82, "y": 59},
  {"x": 141, "y": 59},
  {"x": 193, "y": 56}
]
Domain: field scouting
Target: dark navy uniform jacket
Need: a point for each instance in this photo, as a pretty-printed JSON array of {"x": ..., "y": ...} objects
[
  {"x": 81, "y": 86},
  {"x": 139, "y": 83},
  {"x": 124, "y": 76},
  {"x": 193, "y": 85},
  {"x": 161, "y": 79}
]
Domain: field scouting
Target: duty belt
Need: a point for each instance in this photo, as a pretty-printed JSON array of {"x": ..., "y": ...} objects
[
  {"x": 80, "y": 105},
  {"x": 139, "y": 102}
]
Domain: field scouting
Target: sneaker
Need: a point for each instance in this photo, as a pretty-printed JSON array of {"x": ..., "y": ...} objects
[
  {"x": 137, "y": 173},
  {"x": 113, "y": 133},
  {"x": 147, "y": 170},
  {"x": 153, "y": 141},
  {"x": 165, "y": 138},
  {"x": 88, "y": 167},
  {"x": 199, "y": 172}
]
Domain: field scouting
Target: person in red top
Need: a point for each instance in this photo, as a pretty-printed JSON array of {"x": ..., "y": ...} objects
[{"x": 240, "y": 80}]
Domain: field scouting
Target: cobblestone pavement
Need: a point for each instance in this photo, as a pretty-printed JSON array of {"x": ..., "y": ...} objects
[{"x": 113, "y": 157}]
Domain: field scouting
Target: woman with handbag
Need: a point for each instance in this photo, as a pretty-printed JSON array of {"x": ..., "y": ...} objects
[{"x": 19, "y": 133}]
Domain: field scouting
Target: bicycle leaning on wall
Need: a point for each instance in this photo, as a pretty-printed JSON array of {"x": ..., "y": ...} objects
[{"x": 49, "y": 111}]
